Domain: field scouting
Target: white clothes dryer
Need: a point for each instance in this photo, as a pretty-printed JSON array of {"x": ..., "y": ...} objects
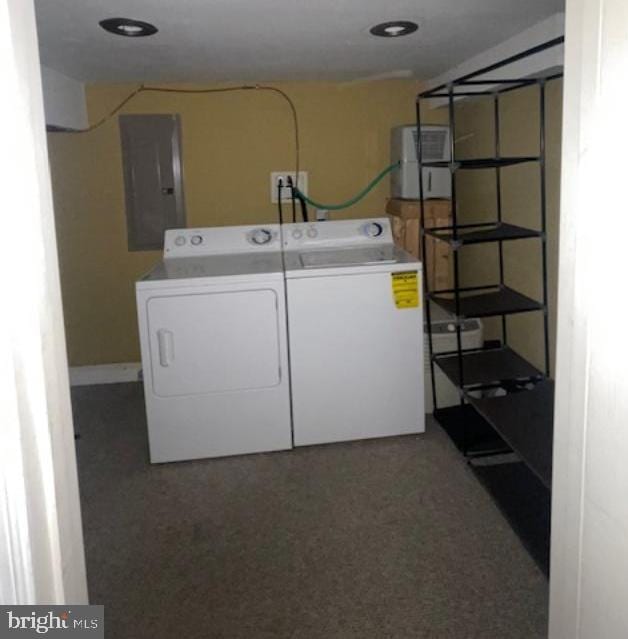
[{"x": 213, "y": 338}]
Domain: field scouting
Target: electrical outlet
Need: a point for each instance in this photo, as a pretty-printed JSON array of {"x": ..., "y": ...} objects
[{"x": 275, "y": 176}]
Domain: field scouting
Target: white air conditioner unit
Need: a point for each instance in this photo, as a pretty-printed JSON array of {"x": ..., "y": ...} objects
[
  {"x": 444, "y": 340},
  {"x": 404, "y": 181}
]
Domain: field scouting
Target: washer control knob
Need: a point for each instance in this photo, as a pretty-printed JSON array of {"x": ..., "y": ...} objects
[
  {"x": 297, "y": 234},
  {"x": 261, "y": 236},
  {"x": 312, "y": 232},
  {"x": 179, "y": 240},
  {"x": 196, "y": 239},
  {"x": 373, "y": 229}
]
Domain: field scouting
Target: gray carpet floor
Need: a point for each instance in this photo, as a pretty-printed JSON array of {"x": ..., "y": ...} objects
[{"x": 375, "y": 539}]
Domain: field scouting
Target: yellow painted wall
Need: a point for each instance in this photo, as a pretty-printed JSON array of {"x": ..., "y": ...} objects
[
  {"x": 519, "y": 115},
  {"x": 231, "y": 143}
]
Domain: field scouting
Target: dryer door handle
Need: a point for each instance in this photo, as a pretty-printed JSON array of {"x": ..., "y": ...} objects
[{"x": 165, "y": 340}]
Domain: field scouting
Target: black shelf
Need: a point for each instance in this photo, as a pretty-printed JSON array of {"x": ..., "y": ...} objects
[
  {"x": 525, "y": 420},
  {"x": 482, "y": 233},
  {"x": 524, "y": 501},
  {"x": 521, "y": 418},
  {"x": 501, "y": 300},
  {"x": 470, "y": 432},
  {"x": 481, "y": 163},
  {"x": 487, "y": 366}
]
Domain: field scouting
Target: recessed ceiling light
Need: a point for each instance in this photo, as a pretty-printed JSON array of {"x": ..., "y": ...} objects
[
  {"x": 127, "y": 27},
  {"x": 394, "y": 29}
]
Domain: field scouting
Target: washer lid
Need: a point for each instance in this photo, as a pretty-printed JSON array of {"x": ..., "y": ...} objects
[
  {"x": 239, "y": 267},
  {"x": 348, "y": 257},
  {"x": 348, "y": 261}
]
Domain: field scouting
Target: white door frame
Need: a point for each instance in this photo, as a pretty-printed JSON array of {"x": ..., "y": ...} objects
[
  {"x": 41, "y": 541},
  {"x": 589, "y": 565}
]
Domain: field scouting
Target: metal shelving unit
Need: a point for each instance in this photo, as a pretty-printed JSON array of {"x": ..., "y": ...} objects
[{"x": 506, "y": 403}]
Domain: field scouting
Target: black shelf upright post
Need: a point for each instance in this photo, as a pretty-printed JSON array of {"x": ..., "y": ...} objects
[
  {"x": 498, "y": 188},
  {"x": 451, "y": 107},
  {"x": 542, "y": 176},
  {"x": 426, "y": 286}
]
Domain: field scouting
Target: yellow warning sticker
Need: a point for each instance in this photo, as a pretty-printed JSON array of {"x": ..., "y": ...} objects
[{"x": 405, "y": 288}]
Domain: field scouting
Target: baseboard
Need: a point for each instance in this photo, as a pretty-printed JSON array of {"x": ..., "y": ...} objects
[{"x": 105, "y": 374}]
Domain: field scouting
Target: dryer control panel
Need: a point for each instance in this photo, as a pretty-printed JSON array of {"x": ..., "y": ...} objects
[
  {"x": 219, "y": 240},
  {"x": 366, "y": 232}
]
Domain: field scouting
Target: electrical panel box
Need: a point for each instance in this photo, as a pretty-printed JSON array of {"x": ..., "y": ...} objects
[
  {"x": 153, "y": 178},
  {"x": 404, "y": 181}
]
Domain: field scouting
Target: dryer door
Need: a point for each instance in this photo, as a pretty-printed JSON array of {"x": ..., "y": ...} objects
[{"x": 214, "y": 342}]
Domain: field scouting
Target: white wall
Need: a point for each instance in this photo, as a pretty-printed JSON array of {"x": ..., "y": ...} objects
[
  {"x": 589, "y": 569},
  {"x": 64, "y": 100},
  {"x": 41, "y": 541}
]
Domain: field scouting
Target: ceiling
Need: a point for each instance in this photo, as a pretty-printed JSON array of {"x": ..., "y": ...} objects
[{"x": 263, "y": 40}]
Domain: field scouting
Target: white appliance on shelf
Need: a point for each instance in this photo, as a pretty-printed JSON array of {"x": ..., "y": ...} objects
[
  {"x": 355, "y": 330},
  {"x": 404, "y": 181},
  {"x": 444, "y": 340},
  {"x": 214, "y": 346}
]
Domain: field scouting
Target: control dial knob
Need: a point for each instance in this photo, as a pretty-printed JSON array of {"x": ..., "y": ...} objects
[
  {"x": 373, "y": 229},
  {"x": 261, "y": 236},
  {"x": 196, "y": 239}
]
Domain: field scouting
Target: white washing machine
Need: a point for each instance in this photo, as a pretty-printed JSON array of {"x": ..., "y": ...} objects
[
  {"x": 214, "y": 345},
  {"x": 356, "y": 332}
]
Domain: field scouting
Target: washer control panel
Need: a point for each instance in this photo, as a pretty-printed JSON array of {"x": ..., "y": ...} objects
[
  {"x": 261, "y": 236},
  {"x": 337, "y": 233},
  {"x": 220, "y": 240},
  {"x": 372, "y": 229}
]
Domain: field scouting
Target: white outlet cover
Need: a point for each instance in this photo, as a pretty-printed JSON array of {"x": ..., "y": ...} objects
[{"x": 285, "y": 194}]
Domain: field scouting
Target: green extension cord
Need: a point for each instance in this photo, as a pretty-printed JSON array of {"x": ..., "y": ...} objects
[{"x": 353, "y": 200}]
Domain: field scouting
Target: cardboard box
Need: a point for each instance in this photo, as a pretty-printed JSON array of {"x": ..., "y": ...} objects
[
  {"x": 405, "y": 209},
  {"x": 405, "y": 216}
]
